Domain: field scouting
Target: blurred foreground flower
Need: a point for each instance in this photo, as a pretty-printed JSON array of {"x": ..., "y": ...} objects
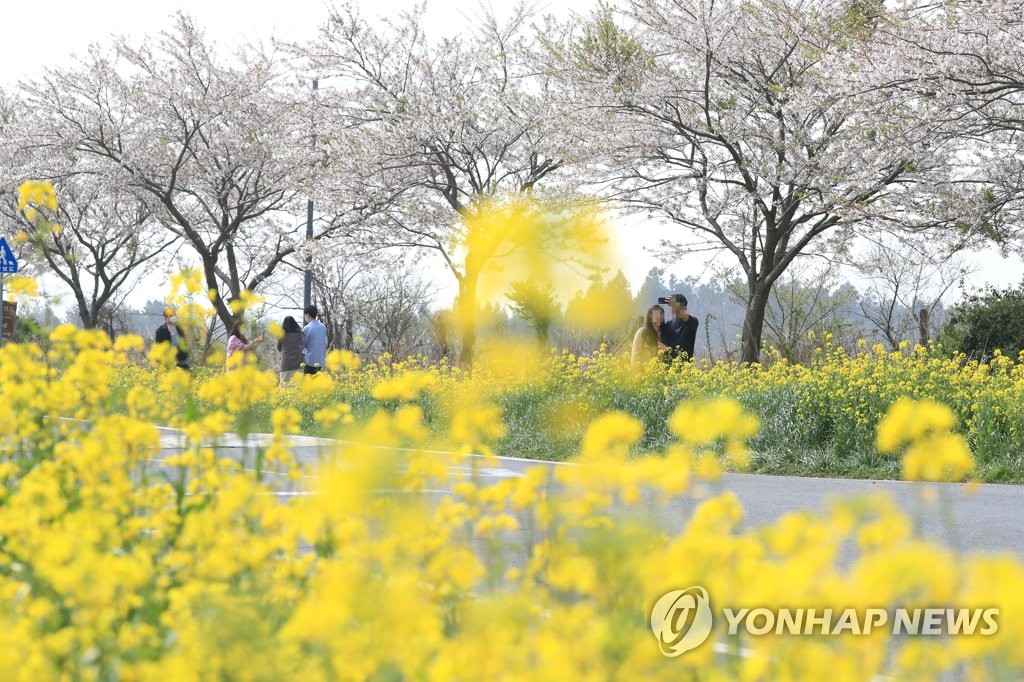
[
  {"x": 934, "y": 453},
  {"x": 21, "y": 287}
]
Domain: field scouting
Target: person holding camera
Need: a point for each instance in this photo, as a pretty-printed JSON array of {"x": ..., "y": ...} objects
[
  {"x": 680, "y": 333},
  {"x": 238, "y": 346}
]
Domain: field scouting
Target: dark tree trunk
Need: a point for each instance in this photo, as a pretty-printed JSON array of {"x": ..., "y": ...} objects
[
  {"x": 85, "y": 314},
  {"x": 753, "y": 322},
  {"x": 922, "y": 322}
]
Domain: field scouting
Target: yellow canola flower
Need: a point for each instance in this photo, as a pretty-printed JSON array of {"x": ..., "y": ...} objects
[
  {"x": 338, "y": 360},
  {"x": 286, "y": 420},
  {"x": 334, "y": 414},
  {"x": 943, "y": 457},
  {"x": 264, "y": 576},
  {"x": 313, "y": 389},
  {"x": 129, "y": 342},
  {"x": 909, "y": 420},
  {"x": 21, "y": 287},
  {"x": 238, "y": 390},
  {"x": 703, "y": 423},
  {"x": 408, "y": 421},
  {"x": 38, "y": 193},
  {"x": 187, "y": 282},
  {"x": 932, "y": 452},
  {"x": 573, "y": 574},
  {"x": 163, "y": 355},
  {"x": 405, "y": 387},
  {"x": 509, "y": 239},
  {"x": 473, "y": 427},
  {"x": 244, "y": 301},
  {"x": 611, "y": 435},
  {"x": 64, "y": 333}
]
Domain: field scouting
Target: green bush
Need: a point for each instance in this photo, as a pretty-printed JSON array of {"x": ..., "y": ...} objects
[{"x": 991, "y": 320}]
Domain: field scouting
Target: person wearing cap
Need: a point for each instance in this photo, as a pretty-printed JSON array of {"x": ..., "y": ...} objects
[
  {"x": 170, "y": 332},
  {"x": 680, "y": 333}
]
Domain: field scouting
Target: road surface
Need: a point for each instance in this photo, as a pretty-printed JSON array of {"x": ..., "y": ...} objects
[{"x": 983, "y": 518}]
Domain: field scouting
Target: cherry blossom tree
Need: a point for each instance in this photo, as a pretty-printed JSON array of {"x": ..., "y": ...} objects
[
  {"x": 97, "y": 241},
  {"x": 103, "y": 239},
  {"x": 735, "y": 121},
  {"x": 216, "y": 146},
  {"x": 439, "y": 128},
  {"x": 965, "y": 56},
  {"x": 10, "y": 106}
]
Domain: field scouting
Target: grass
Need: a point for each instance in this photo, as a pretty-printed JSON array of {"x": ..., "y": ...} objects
[{"x": 819, "y": 423}]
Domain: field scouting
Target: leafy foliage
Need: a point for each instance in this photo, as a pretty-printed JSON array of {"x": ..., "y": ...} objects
[
  {"x": 988, "y": 322},
  {"x": 538, "y": 305}
]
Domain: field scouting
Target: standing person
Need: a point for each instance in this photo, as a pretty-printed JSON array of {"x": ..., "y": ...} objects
[
  {"x": 314, "y": 341},
  {"x": 647, "y": 340},
  {"x": 290, "y": 347},
  {"x": 238, "y": 346},
  {"x": 170, "y": 332},
  {"x": 680, "y": 333}
]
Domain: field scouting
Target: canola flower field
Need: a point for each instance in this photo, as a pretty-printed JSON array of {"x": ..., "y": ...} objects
[
  {"x": 116, "y": 568},
  {"x": 816, "y": 420},
  {"x": 122, "y": 561}
]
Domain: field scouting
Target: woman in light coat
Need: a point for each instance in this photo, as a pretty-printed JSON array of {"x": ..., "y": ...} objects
[{"x": 647, "y": 340}]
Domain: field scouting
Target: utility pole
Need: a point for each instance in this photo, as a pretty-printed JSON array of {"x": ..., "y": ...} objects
[{"x": 307, "y": 297}]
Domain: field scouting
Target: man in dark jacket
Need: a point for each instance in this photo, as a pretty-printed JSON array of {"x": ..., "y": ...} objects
[
  {"x": 679, "y": 333},
  {"x": 170, "y": 332}
]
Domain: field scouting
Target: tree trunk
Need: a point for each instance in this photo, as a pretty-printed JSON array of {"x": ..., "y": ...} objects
[
  {"x": 922, "y": 322},
  {"x": 85, "y": 314},
  {"x": 543, "y": 336},
  {"x": 207, "y": 343},
  {"x": 443, "y": 331},
  {"x": 467, "y": 318},
  {"x": 753, "y": 323},
  {"x": 220, "y": 303}
]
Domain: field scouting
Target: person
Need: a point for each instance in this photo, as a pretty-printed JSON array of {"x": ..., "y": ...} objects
[
  {"x": 290, "y": 347},
  {"x": 314, "y": 341},
  {"x": 680, "y": 333},
  {"x": 237, "y": 343},
  {"x": 647, "y": 340},
  {"x": 170, "y": 332}
]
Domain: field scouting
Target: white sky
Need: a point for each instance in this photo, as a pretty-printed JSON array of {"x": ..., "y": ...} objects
[{"x": 40, "y": 35}]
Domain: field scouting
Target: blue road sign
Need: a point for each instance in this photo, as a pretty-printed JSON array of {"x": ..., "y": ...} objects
[{"x": 8, "y": 263}]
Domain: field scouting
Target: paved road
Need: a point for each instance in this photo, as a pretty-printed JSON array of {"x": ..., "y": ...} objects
[{"x": 986, "y": 518}]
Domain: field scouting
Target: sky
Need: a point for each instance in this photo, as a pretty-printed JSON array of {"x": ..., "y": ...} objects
[{"x": 38, "y": 36}]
